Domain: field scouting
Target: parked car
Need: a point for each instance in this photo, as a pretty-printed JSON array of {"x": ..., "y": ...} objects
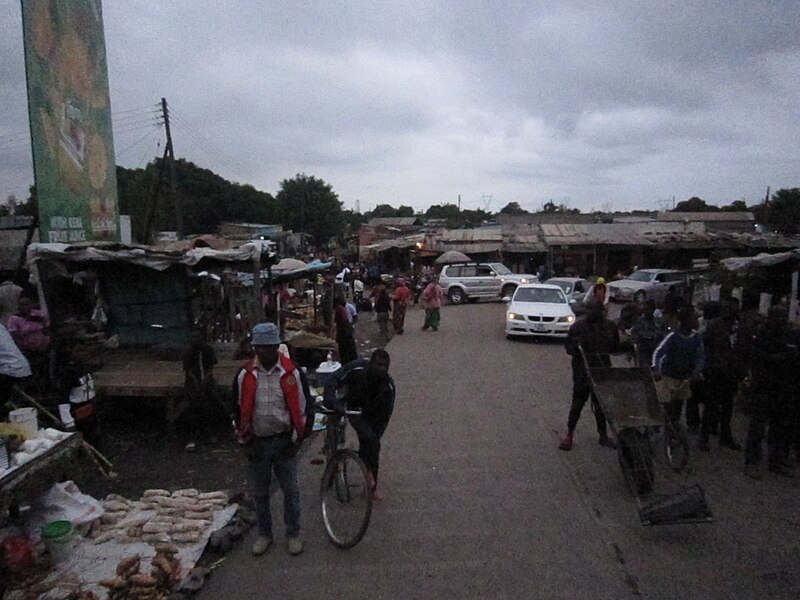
[
  {"x": 538, "y": 309},
  {"x": 647, "y": 284},
  {"x": 574, "y": 289},
  {"x": 470, "y": 281}
]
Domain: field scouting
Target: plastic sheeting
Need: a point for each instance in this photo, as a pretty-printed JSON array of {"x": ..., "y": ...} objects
[
  {"x": 145, "y": 256},
  {"x": 740, "y": 263}
]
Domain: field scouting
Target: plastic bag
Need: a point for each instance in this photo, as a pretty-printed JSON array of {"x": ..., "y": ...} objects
[
  {"x": 65, "y": 502},
  {"x": 16, "y": 553}
]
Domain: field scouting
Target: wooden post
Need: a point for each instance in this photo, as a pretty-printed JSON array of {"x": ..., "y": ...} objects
[
  {"x": 793, "y": 298},
  {"x": 169, "y": 152},
  {"x": 257, "y": 317}
]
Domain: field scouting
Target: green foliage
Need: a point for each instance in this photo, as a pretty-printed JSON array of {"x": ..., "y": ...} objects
[
  {"x": 782, "y": 212},
  {"x": 513, "y": 208},
  {"x": 456, "y": 218},
  {"x": 310, "y": 205},
  {"x": 443, "y": 211},
  {"x": 405, "y": 211},
  {"x": 735, "y": 206},
  {"x": 552, "y": 207},
  {"x": 27, "y": 208},
  {"x": 694, "y": 204},
  {"x": 383, "y": 211},
  {"x": 206, "y": 199}
]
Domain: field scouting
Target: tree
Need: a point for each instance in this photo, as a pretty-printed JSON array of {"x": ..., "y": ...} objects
[
  {"x": 206, "y": 199},
  {"x": 782, "y": 212},
  {"x": 694, "y": 204},
  {"x": 513, "y": 208},
  {"x": 735, "y": 206},
  {"x": 405, "y": 211},
  {"x": 552, "y": 207},
  {"x": 443, "y": 211},
  {"x": 383, "y": 211},
  {"x": 310, "y": 205}
]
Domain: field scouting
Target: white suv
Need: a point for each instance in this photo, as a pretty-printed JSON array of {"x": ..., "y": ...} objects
[{"x": 470, "y": 281}]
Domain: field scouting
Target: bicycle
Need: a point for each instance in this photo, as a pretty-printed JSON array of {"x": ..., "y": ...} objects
[{"x": 346, "y": 485}]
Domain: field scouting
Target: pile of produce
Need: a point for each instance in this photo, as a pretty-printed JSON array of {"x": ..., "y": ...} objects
[
  {"x": 158, "y": 517},
  {"x": 131, "y": 584}
]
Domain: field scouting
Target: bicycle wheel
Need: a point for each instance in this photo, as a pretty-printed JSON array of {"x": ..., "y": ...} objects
[{"x": 346, "y": 499}]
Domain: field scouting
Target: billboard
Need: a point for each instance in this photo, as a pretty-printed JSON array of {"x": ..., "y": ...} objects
[{"x": 70, "y": 119}]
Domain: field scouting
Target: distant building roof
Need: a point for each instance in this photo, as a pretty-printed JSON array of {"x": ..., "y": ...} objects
[
  {"x": 557, "y": 217},
  {"x": 394, "y": 222},
  {"x": 706, "y": 216}
]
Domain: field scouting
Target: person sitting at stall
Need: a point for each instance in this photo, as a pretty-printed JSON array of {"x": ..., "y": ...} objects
[
  {"x": 76, "y": 378},
  {"x": 14, "y": 368},
  {"x": 200, "y": 388},
  {"x": 31, "y": 332}
]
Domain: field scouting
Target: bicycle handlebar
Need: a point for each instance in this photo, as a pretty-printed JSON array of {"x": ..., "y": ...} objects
[{"x": 320, "y": 407}]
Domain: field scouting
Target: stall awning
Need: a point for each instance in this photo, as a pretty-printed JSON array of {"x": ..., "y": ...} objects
[{"x": 146, "y": 256}]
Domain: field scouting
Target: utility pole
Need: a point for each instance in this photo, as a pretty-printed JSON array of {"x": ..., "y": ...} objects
[
  {"x": 459, "y": 203},
  {"x": 170, "y": 154}
]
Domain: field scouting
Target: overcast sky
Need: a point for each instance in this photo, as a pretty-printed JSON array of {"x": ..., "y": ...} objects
[{"x": 613, "y": 104}]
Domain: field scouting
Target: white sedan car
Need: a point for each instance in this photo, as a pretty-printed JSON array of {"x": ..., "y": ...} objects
[{"x": 538, "y": 309}]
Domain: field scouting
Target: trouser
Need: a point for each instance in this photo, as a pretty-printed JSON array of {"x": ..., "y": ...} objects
[
  {"x": 700, "y": 395},
  {"x": 768, "y": 411},
  {"x": 432, "y": 319},
  {"x": 265, "y": 455},
  {"x": 718, "y": 412},
  {"x": 370, "y": 429},
  {"x": 347, "y": 348},
  {"x": 399, "y": 317},
  {"x": 383, "y": 323},
  {"x": 581, "y": 392}
]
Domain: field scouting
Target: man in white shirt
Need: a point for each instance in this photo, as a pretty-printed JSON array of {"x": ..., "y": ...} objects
[
  {"x": 14, "y": 367},
  {"x": 274, "y": 417}
]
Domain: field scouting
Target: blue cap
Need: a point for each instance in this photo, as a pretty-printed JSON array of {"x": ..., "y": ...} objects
[{"x": 265, "y": 334}]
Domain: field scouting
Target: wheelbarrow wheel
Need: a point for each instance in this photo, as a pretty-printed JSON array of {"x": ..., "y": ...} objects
[{"x": 635, "y": 457}]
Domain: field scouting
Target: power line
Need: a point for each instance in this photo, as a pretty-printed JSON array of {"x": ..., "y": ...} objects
[
  {"x": 210, "y": 148},
  {"x": 149, "y": 133}
]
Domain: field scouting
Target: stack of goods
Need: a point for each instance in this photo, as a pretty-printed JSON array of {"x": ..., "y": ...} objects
[
  {"x": 130, "y": 583},
  {"x": 158, "y": 517}
]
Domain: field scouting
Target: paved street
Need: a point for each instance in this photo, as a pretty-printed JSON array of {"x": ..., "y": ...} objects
[{"x": 481, "y": 504}]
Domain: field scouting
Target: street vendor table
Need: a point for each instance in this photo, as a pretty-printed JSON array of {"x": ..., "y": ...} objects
[
  {"x": 140, "y": 377},
  {"x": 27, "y": 482}
]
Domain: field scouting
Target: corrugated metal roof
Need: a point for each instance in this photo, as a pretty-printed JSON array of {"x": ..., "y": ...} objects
[
  {"x": 480, "y": 234},
  {"x": 402, "y": 242},
  {"x": 473, "y": 248},
  {"x": 621, "y": 234}
]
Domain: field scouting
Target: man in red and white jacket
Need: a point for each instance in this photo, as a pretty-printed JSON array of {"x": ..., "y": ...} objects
[{"x": 274, "y": 417}]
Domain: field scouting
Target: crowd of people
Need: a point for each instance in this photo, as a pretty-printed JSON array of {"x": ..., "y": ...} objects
[{"x": 702, "y": 362}]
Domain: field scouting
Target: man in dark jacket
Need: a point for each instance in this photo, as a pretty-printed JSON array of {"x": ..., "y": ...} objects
[
  {"x": 366, "y": 385},
  {"x": 774, "y": 356},
  {"x": 721, "y": 376},
  {"x": 597, "y": 337}
]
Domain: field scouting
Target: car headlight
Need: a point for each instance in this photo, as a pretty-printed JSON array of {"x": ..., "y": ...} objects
[
  {"x": 515, "y": 317},
  {"x": 567, "y": 319},
  {"x": 524, "y": 280}
]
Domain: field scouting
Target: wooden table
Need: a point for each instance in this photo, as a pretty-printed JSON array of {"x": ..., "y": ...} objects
[{"x": 29, "y": 481}]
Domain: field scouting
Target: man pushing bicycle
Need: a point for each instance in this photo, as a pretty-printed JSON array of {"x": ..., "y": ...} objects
[{"x": 366, "y": 385}]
